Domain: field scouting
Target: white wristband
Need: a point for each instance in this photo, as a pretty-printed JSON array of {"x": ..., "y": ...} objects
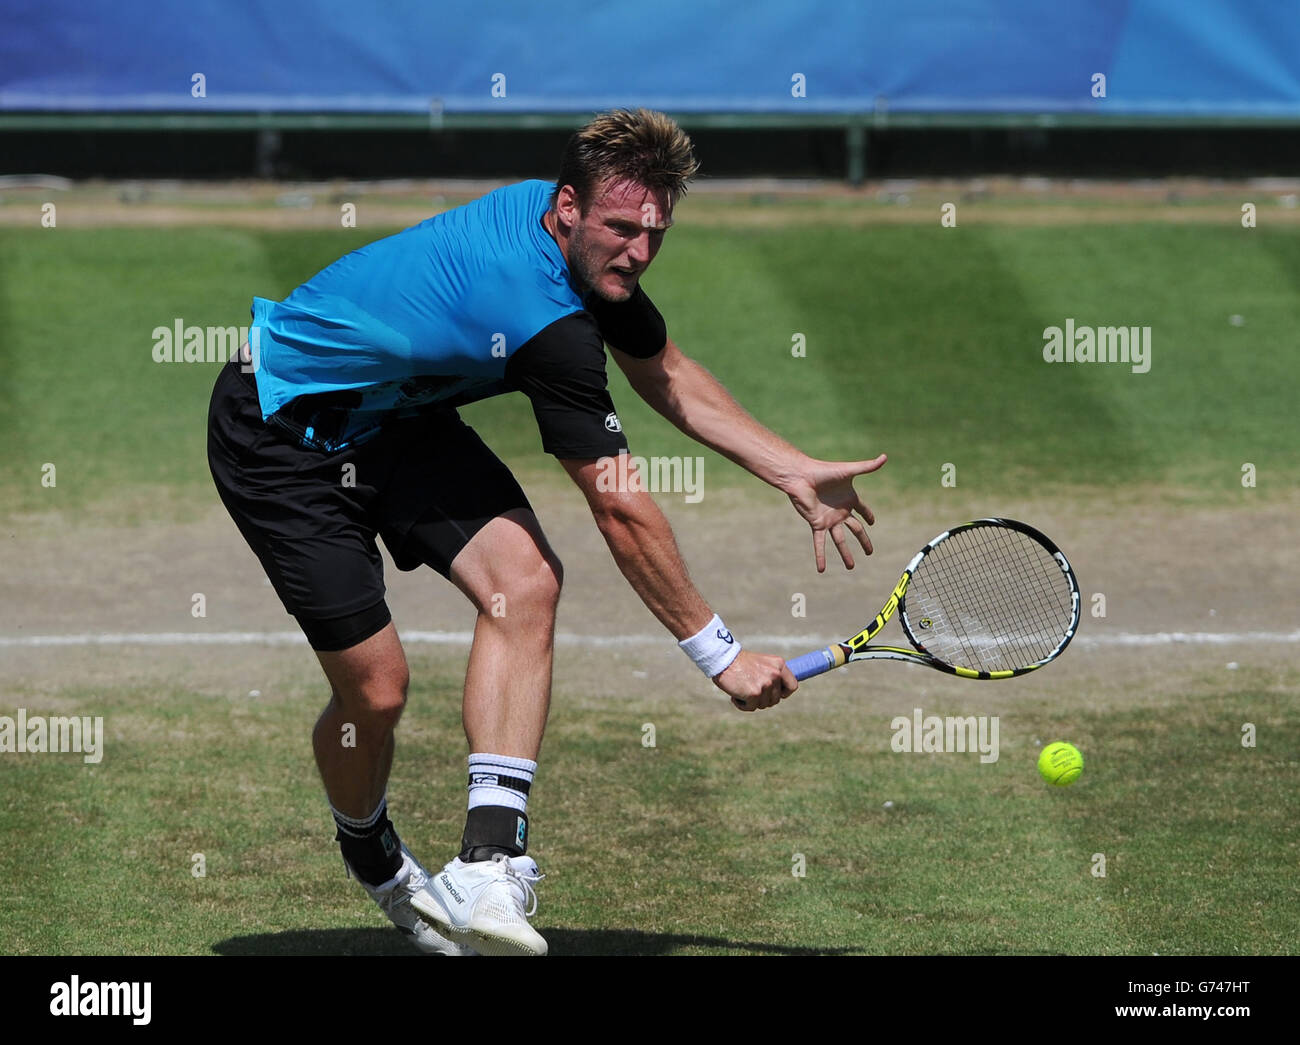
[{"x": 713, "y": 647}]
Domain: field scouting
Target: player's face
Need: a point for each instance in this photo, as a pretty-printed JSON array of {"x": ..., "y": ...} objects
[{"x": 617, "y": 238}]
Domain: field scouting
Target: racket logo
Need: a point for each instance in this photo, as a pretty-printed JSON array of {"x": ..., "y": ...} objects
[{"x": 926, "y": 623}]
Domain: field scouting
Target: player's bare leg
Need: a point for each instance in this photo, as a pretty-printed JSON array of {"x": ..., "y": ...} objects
[
  {"x": 512, "y": 577},
  {"x": 353, "y": 738},
  {"x": 353, "y": 741}
]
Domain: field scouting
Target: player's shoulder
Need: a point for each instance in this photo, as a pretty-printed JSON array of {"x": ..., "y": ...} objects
[
  {"x": 495, "y": 257},
  {"x": 531, "y": 196},
  {"x": 634, "y": 326},
  {"x": 503, "y": 230},
  {"x": 503, "y": 212},
  {"x": 572, "y": 340}
]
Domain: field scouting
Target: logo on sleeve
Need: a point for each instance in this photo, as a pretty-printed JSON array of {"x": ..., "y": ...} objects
[{"x": 612, "y": 423}]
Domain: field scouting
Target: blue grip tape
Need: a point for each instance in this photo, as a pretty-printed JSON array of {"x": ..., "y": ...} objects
[{"x": 810, "y": 664}]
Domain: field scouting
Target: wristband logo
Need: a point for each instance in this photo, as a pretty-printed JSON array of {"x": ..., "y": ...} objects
[{"x": 725, "y": 636}]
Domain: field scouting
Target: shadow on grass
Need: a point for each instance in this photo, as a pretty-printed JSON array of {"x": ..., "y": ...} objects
[{"x": 359, "y": 942}]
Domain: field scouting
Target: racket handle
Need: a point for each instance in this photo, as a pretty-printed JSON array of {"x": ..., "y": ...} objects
[{"x": 815, "y": 663}]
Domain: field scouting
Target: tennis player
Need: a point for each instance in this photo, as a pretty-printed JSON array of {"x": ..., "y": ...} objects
[{"x": 338, "y": 424}]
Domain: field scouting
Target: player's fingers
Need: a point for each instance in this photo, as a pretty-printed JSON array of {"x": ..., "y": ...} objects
[
  {"x": 788, "y": 680},
  {"x": 848, "y": 469},
  {"x": 837, "y": 535},
  {"x": 819, "y": 549},
  {"x": 864, "y": 510},
  {"x": 769, "y": 694},
  {"x": 862, "y": 467},
  {"x": 860, "y": 532},
  {"x": 744, "y": 705}
]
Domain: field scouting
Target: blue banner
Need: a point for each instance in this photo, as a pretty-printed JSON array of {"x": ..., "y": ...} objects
[{"x": 1121, "y": 57}]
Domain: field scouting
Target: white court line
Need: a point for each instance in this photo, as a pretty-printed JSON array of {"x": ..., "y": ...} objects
[{"x": 463, "y": 638}]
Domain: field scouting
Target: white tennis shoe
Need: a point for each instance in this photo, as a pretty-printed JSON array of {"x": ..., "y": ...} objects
[
  {"x": 396, "y": 898},
  {"x": 486, "y": 903}
]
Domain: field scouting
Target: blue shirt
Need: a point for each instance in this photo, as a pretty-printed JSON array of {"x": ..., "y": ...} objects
[{"x": 430, "y": 315}]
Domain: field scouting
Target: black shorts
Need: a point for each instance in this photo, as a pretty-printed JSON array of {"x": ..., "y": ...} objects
[{"x": 425, "y": 484}]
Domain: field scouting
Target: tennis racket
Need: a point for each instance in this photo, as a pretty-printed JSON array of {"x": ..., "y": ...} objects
[{"x": 990, "y": 599}]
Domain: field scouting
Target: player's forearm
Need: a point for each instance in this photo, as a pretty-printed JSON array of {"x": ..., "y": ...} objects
[
  {"x": 643, "y": 546},
  {"x": 697, "y": 403}
]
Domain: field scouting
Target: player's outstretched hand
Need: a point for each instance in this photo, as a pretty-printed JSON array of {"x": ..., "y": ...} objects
[
  {"x": 825, "y": 497},
  {"x": 756, "y": 680}
]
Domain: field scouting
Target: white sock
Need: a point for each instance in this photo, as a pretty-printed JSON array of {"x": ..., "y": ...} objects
[{"x": 499, "y": 780}]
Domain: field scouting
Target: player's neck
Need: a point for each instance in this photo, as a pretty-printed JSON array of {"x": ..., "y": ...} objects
[{"x": 552, "y": 226}]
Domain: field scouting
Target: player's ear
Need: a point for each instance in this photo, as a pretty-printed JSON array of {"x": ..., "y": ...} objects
[{"x": 568, "y": 207}]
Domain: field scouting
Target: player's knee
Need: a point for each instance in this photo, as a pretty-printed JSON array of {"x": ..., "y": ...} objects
[
  {"x": 383, "y": 704},
  {"x": 556, "y": 569},
  {"x": 546, "y": 582},
  {"x": 376, "y": 701},
  {"x": 532, "y": 592}
]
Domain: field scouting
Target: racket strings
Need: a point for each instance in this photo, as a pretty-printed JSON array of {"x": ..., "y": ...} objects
[{"x": 989, "y": 598}]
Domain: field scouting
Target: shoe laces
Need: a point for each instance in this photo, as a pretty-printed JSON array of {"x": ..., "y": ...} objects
[
  {"x": 396, "y": 894},
  {"x": 417, "y": 879},
  {"x": 520, "y": 882}
]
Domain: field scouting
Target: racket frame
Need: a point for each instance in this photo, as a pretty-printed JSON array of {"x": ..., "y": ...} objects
[{"x": 856, "y": 648}]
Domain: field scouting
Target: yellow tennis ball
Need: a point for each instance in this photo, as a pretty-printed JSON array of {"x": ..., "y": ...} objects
[{"x": 1060, "y": 764}]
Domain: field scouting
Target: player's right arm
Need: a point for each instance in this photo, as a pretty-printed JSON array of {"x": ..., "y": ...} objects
[
  {"x": 642, "y": 543},
  {"x": 562, "y": 371}
]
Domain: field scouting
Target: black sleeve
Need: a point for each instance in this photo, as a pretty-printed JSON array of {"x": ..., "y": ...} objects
[
  {"x": 633, "y": 326},
  {"x": 562, "y": 371}
]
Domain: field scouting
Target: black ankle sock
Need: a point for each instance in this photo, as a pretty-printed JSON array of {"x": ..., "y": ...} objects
[
  {"x": 375, "y": 852},
  {"x": 494, "y": 829},
  {"x": 483, "y": 852}
]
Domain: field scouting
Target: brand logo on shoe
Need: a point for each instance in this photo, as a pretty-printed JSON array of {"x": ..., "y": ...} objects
[{"x": 446, "y": 884}]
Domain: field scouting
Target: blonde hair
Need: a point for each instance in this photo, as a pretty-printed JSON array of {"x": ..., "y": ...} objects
[{"x": 636, "y": 145}]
